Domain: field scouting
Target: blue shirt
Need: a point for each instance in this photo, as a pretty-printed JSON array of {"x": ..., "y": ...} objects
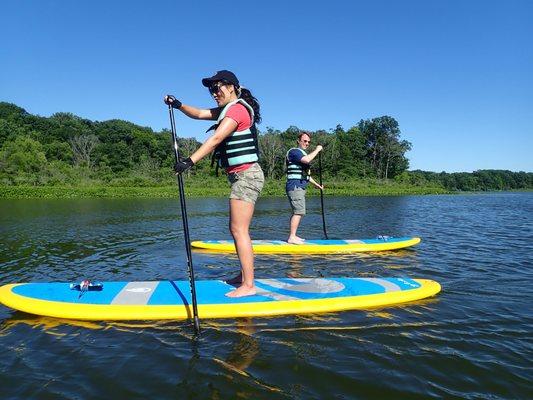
[{"x": 295, "y": 156}]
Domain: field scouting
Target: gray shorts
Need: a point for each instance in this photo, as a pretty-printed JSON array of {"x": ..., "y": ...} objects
[
  {"x": 297, "y": 200},
  {"x": 247, "y": 185}
]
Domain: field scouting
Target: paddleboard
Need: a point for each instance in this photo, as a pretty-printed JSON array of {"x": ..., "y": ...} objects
[
  {"x": 313, "y": 246},
  {"x": 158, "y": 300}
]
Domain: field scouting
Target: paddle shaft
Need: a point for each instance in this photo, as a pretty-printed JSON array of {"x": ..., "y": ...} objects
[
  {"x": 322, "y": 194},
  {"x": 185, "y": 223}
]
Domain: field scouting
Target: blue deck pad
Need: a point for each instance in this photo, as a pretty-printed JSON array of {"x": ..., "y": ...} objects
[
  {"x": 207, "y": 292},
  {"x": 388, "y": 240},
  {"x": 213, "y": 292},
  {"x": 326, "y": 242},
  {"x": 329, "y": 242},
  {"x": 173, "y": 292}
]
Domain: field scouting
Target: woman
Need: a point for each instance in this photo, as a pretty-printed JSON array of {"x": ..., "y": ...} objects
[{"x": 234, "y": 144}]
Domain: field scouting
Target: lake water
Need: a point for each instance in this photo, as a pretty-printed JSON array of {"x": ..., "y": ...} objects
[{"x": 474, "y": 340}]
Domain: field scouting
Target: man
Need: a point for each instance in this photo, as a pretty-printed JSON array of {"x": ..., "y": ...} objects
[{"x": 298, "y": 177}]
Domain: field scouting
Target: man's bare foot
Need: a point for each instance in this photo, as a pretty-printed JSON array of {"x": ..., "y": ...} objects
[
  {"x": 295, "y": 240},
  {"x": 236, "y": 280},
  {"x": 242, "y": 291}
]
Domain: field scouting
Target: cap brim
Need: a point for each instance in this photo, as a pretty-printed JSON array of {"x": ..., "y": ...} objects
[{"x": 208, "y": 81}]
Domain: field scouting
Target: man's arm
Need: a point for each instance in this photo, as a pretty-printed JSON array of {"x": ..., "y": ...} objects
[
  {"x": 310, "y": 157},
  {"x": 317, "y": 185}
]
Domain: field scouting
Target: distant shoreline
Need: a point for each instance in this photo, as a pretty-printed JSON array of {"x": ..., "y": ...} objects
[
  {"x": 220, "y": 188},
  {"x": 272, "y": 189}
]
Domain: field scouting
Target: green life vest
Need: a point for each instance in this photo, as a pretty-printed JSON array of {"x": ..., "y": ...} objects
[
  {"x": 297, "y": 170},
  {"x": 240, "y": 147}
]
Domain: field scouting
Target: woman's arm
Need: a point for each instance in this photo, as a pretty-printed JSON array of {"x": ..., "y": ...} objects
[
  {"x": 190, "y": 111},
  {"x": 226, "y": 127},
  {"x": 200, "y": 113}
]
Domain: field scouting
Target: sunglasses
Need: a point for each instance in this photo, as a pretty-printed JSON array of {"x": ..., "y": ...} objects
[
  {"x": 215, "y": 88},
  {"x": 306, "y": 141}
]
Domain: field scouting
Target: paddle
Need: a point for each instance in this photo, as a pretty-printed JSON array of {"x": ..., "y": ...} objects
[
  {"x": 185, "y": 223},
  {"x": 322, "y": 194}
]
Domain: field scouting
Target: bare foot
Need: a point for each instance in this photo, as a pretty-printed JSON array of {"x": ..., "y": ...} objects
[
  {"x": 295, "y": 240},
  {"x": 242, "y": 291},
  {"x": 236, "y": 280}
]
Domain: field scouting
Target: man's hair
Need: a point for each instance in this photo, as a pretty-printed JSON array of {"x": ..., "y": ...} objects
[{"x": 303, "y": 133}]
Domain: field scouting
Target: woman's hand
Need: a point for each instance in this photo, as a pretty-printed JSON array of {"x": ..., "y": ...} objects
[
  {"x": 183, "y": 165},
  {"x": 170, "y": 100}
]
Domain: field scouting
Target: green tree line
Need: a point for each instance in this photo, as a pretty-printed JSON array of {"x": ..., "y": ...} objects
[
  {"x": 64, "y": 149},
  {"x": 482, "y": 180}
]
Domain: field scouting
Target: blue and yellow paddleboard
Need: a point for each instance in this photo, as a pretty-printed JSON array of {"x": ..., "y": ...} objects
[
  {"x": 330, "y": 246},
  {"x": 158, "y": 300}
]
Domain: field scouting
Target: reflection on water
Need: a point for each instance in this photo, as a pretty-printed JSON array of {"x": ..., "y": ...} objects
[
  {"x": 471, "y": 341},
  {"x": 46, "y": 324}
]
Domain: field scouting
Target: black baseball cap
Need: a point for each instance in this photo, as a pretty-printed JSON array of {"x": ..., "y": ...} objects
[{"x": 223, "y": 75}]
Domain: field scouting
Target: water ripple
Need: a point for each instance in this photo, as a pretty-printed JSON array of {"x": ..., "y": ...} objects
[{"x": 472, "y": 341}]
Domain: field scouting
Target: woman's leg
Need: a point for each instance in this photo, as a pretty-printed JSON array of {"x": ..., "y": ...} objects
[{"x": 241, "y": 213}]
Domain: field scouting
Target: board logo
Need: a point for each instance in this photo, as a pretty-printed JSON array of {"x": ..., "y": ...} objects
[
  {"x": 139, "y": 290},
  {"x": 413, "y": 285}
]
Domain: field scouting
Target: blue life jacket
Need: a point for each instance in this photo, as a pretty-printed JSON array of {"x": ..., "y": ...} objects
[
  {"x": 241, "y": 147},
  {"x": 297, "y": 170}
]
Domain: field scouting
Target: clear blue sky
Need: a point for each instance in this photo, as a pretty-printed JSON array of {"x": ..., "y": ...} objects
[{"x": 457, "y": 75}]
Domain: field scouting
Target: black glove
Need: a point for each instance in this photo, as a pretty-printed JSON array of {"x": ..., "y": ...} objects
[
  {"x": 172, "y": 101},
  {"x": 183, "y": 165}
]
